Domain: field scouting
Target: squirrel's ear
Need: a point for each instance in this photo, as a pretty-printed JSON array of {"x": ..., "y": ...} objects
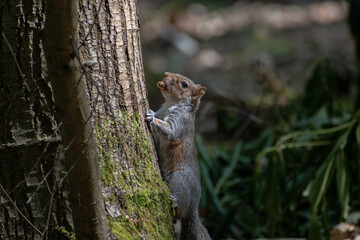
[{"x": 199, "y": 92}]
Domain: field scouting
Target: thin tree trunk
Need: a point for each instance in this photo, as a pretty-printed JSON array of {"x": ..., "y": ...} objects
[{"x": 73, "y": 111}]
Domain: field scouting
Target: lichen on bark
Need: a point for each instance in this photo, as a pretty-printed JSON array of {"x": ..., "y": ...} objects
[{"x": 136, "y": 199}]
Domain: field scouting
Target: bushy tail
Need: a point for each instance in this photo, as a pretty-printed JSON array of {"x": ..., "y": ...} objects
[{"x": 193, "y": 229}]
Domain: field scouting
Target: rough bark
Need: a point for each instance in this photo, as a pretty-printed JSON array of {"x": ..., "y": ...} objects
[
  {"x": 73, "y": 112},
  {"x": 32, "y": 205},
  {"x": 137, "y": 200}
]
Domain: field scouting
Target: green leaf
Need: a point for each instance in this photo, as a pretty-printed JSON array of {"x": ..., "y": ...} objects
[
  {"x": 321, "y": 183},
  {"x": 209, "y": 186},
  {"x": 325, "y": 219},
  {"x": 314, "y": 229},
  {"x": 358, "y": 139},
  {"x": 229, "y": 169},
  {"x": 323, "y": 179},
  {"x": 202, "y": 151},
  {"x": 319, "y": 89},
  {"x": 358, "y": 144},
  {"x": 272, "y": 194},
  {"x": 342, "y": 182}
]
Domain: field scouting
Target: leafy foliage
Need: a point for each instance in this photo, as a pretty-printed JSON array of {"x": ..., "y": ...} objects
[{"x": 299, "y": 178}]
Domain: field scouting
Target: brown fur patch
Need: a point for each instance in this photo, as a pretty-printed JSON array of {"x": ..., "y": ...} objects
[
  {"x": 175, "y": 147},
  {"x": 178, "y": 213}
]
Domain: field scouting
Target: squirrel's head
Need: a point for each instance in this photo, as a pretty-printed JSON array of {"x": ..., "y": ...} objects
[{"x": 177, "y": 88}]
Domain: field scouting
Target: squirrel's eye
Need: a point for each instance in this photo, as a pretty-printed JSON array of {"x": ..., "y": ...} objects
[{"x": 184, "y": 84}]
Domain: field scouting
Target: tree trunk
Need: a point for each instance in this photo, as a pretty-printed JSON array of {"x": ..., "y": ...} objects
[
  {"x": 354, "y": 20},
  {"x": 32, "y": 204},
  {"x": 137, "y": 200},
  {"x": 73, "y": 112}
]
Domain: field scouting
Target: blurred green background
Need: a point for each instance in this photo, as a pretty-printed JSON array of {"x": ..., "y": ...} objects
[{"x": 279, "y": 132}]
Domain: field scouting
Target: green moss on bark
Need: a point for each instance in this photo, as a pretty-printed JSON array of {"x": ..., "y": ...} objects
[
  {"x": 137, "y": 200},
  {"x": 65, "y": 234}
]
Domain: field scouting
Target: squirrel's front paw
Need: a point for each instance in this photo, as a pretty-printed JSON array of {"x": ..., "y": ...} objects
[
  {"x": 150, "y": 116},
  {"x": 174, "y": 200}
]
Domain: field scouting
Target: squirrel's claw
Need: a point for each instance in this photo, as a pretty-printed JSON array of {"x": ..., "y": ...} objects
[
  {"x": 173, "y": 198},
  {"x": 150, "y": 116}
]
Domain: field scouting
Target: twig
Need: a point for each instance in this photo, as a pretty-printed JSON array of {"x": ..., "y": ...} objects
[
  {"x": 17, "y": 209},
  {"x": 38, "y": 187},
  {"x": 12, "y": 52},
  {"x": 92, "y": 25}
]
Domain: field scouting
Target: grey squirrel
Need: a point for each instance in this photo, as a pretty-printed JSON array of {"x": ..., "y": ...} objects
[{"x": 174, "y": 133}]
